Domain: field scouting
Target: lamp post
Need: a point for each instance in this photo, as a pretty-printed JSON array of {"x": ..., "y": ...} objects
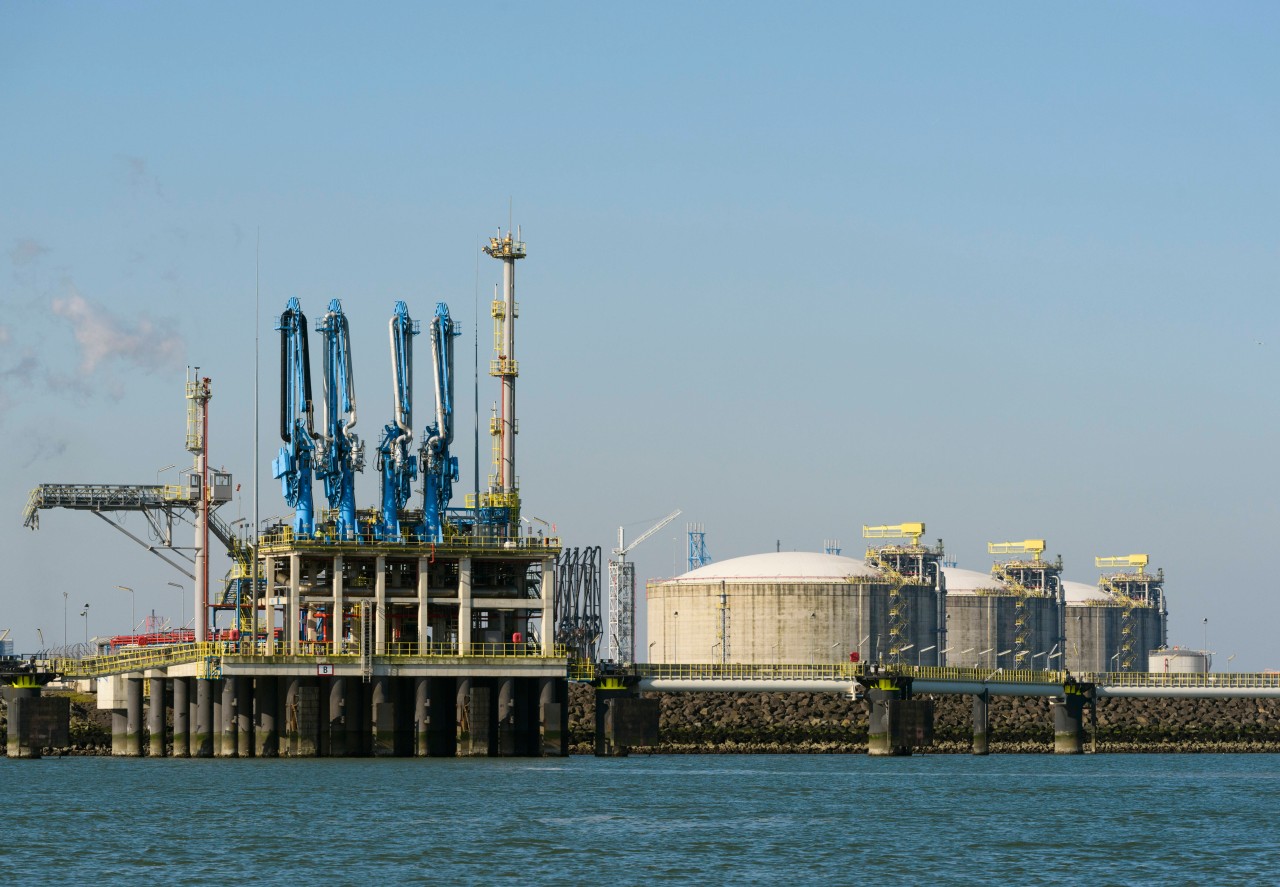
[
  {"x": 85, "y": 614},
  {"x": 1206, "y": 635},
  {"x": 182, "y": 603},
  {"x": 920, "y": 654},
  {"x": 1113, "y": 659},
  {"x": 64, "y": 621},
  {"x": 651, "y": 643},
  {"x": 133, "y": 607},
  {"x": 162, "y": 471}
]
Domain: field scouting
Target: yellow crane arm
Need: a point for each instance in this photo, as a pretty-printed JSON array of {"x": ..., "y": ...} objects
[
  {"x": 1123, "y": 560},
  {"x": 1034, "y": 547},
  {"x": 912, "y": 531}
]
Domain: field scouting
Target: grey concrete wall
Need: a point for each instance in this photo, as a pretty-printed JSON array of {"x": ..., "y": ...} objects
[
  {"x": 978, "y": 622},
  {"x": 783, "y": 622},
  {"x": 1094, "y": 635}
]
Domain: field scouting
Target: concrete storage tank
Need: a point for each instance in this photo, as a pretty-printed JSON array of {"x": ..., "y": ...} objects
[
  {"x": 1104, "y": 633},
  {"x": 784, "y": 607},
  {"x": 983, "y": 615}
]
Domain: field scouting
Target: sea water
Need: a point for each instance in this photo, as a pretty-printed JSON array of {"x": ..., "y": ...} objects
[{"x": 718, "y": 819}]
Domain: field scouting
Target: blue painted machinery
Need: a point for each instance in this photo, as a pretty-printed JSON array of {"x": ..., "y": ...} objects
[
  {"x": 339, "y": 452},
  {"x": 399, "y": 468},
  {"x": 293, "y": 465},
  {"x": 438, "y": 465}
]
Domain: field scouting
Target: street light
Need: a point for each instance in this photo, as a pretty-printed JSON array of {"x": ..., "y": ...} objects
[
  {"x": 920, "y": 654},
  {"x": 1115, "y": 657},
  {"x": 651, "y": 643},
  {"x": 183, "y": 599},
  {"x": 162, "y": 471},
  {"x": 85, "y": 614},
  {"x": 1206, "y": 634},
  {"x": 64, "y": 621},
  {"x": 133, "y": 607}
]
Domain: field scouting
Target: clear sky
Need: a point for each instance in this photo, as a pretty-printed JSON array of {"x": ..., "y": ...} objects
[{"x": 1009, "y": 269}]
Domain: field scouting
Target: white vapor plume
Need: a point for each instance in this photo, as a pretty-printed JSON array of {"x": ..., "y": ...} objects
[{"x": 101, "y": 336}]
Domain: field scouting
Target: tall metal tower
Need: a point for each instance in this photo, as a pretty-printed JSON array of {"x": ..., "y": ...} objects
[
  {"x": 622, "y": 595},
  {"x": 199, "y": 391},
  {"x": 698, "y": 556},
  {"x": 504, "y": 486}
]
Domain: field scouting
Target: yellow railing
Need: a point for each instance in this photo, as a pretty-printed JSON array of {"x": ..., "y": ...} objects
[
  {"x": 457, "y": 545},
  {"x": 1196, "y": 680}
]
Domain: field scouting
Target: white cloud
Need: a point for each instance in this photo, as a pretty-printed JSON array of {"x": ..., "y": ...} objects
[{"x": 102, "y": 337}]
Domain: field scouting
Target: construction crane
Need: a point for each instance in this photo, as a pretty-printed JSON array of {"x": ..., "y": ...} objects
[
  {"x": 339, "y": 452},
  {"x": 1027, "y": 579},
  {"x": 293, "y": 465},
  {"x": 439, "y": 467},
  {"x": 395, "y": 462},
  {"x": 622, "y": 594},
  {"x": 912, "y": 564},
  {"x": 1133, "y": 589}
]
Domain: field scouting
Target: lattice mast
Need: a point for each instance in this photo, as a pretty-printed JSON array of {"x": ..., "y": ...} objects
[
  {"x": 503, "y": 497},
  {"x": 906, "y": 565},
  {"x": 698, "y": 556},
  {"x": 1134, "y": 590},
  {"x": 1026, "y": 579},
  {"x": 622, "y": 594}
]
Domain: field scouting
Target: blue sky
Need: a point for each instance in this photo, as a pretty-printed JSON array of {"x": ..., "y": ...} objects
[{"x": 1009, "y": 269}]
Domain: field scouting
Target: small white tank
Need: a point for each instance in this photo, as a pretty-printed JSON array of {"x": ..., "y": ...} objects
[{"x": 1180, "y": 660}]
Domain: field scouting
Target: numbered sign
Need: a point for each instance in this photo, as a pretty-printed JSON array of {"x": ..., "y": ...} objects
[{"x": 324, "y": 670}]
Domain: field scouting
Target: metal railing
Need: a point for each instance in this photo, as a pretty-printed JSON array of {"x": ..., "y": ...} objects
[
  {"x": 1192, "y": 680},
  {"x": 287, "y": 540}
]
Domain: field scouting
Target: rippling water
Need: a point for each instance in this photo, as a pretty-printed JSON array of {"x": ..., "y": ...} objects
[{"x": 1100, "y": 819}]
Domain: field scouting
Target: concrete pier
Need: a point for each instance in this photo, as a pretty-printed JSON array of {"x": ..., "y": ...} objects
[
  {"x": 35, "y": 721},
  {"x": 227, "y": 747},
  {"x": 133, "y": 717},
  {"x": 382, "y": 717},
  {"x": 181, "y": 718},
  {"x": 421, "y": 715},
  {"x": 1068, "y": 721},
  {"x": 982, "y": 723},
  {"x": 156, "y": 711},
  {"x": 506, "y": 718},
  {"x": 244, "y": 716},
  {"x": 266, "y": 706},
  {"x": 553, "y": 712},
  {"x": 202, "y": 737},
  {"x": 335, "y": 722}
]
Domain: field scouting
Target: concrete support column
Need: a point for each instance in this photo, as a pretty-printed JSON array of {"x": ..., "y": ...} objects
[
  {"x": 421, "y": 715},
  {"x": 181, "y": 718},
  {"x": 548, "y": 626},
  {"x": 336, "y": 726},
  {"x": 268, "y": 608},
  {"x": 464, "y": 607},
  {"x": 554, "y": 716},
  {"x": 382, "y": 717},
  {"x": 202, "y": 738},
  {"x": 506, "y": 739},
  {"x": 293, "y": 612},
  {"x": 380, "y": 606},
  {"x": 156, "y": 717},
  {"x": 266, "y": 704},
  {"x": 119, "y": 733},
  {"x": 1068, "y": 723},
  {"x": 244, "y": 717},
  {"x": 227, "y": 720},
  {"x": 292, "y": 710},
  {"x": 133, "y": 715},
  {"x": 981, "y": 723},
  {"x": 879, "y": 736},
  {"x": 336, "y": 623},
  {"x": 424, "y": 610},
  {"x": 35, "y": 722}
]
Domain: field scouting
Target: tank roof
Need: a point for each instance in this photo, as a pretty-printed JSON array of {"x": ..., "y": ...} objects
[
  {"x": 961, "y": 581},
  {"x": 1080, "y": 592},
  {"x": 781, "y": 566}
]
